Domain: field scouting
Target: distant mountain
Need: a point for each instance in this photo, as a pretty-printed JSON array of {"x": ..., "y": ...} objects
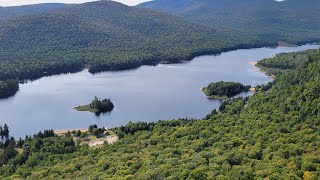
[
  {"x": 7, "y": 13},
  {"x": 104, "y": 35},
  {"x": 292, "y": 21}
]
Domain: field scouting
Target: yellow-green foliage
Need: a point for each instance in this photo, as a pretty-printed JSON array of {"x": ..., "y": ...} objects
[{"x": 273, "y": 135}]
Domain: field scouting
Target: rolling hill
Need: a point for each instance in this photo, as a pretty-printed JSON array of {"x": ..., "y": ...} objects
[
  {"x": 108, "y": 36},
  {"x": 7, "y": 13},
  {"x": 104, "y": 35},
  {"x": 291, "y": 21}
]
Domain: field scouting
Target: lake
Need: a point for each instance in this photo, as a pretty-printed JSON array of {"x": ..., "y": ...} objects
[{"x": 148, "y": 93}]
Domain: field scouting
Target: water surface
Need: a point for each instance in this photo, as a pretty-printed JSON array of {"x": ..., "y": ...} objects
[{"x": 148, "y": 93}]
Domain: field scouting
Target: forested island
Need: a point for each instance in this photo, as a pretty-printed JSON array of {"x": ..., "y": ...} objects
[
  {"x": 224, "y": 90},
  {"x": 97, "y": 106}
]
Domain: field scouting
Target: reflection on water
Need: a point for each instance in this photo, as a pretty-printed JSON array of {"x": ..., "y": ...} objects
[{"x": 148, "y": 93}]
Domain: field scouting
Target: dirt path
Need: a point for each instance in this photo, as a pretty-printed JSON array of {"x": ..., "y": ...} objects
[{"x": 109, "y": 139}]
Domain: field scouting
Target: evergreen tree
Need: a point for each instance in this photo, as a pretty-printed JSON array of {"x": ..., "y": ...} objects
[{"x": 6, "y": 131}]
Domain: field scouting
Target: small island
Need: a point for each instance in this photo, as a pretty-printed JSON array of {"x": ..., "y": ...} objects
[
  {"x": 224, "y": 90},
  {"x": 97, "y": 106}
]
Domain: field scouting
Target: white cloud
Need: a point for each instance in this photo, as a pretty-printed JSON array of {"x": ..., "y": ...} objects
[{"x": 24, "y": 2}]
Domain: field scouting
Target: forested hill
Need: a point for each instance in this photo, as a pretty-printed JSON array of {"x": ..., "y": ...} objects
[
  {"x": 104, "y": 35},
  {"x": 285, "y": 62},
  {"x": 273, "y": 135},
  {"x": 7, "y": 13},
  {"x": 291, "y": 21}
]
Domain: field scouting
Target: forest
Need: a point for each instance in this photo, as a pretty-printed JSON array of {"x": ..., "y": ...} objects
[
  {"x": 8, "y": 13},
  {"x": 101, "y": 105},
  {"x": 285, "y": 62},
  {"x": 224, "y": 89},
  {"x": 271, "y": 135},
  {"x": 8, "y": 87},
  {"x": 105, "y": 36},
  {"x": 48, "y": 39},
  {"x": 270, "y": 21}
]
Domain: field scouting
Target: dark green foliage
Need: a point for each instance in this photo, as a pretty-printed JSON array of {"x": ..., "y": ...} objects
[
  {"x": 91, "y": 127},
  {"x": 228, "y": 89},
  {"x": 290, "y": 21},
  {"x": 272, "y": 135},
  {"x": 34, "y": 149},
  {"x": 8, "y": 87},
  {"x": 101, "y": 106},
  {"x": 45, "y": 134},
  {"x": 104, "y": 36},
  {"x": 95, "y": 130},
  {"x": 20, "y": 143},
  {"x": 4, "y": 131},
  {"x": 78, "y": 133},
  {"x": 7, "y": 153},
  {"x": 7, "y": 13},
  {"x": 131, "y": 127},
  {"x": 285, "y": 62},
  {"x": 264, "y": 87}
]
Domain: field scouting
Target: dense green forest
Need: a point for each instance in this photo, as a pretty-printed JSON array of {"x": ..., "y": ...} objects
[
  {"x": 290, "y": 21},
  {"x": 8, "y": 87},
  {"x": 105, "y": 35},
  {"x": 42, "y": 40},
  {"x": 47, "y": 39},
  {"x": 285, "y": 62},
  {"x": 7, "y": 13},
  {"x": 271, "y": 135},
  {"x": 224, "y": 89}
]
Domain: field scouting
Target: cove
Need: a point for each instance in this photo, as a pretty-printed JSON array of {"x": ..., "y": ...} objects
[{"x": 148, "y": 93}]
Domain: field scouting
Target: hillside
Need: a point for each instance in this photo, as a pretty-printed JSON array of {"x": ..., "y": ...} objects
[
  {"x": 285, "y": 62},
  {"x": 291, "y": 21},
  {"x": 7, "y": 13},
  {"x": 273, "y": 135},
  {"x": 104, "y": 35}
]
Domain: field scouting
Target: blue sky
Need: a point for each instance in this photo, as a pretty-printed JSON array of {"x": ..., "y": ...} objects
[{"x": 24, "y": 2}]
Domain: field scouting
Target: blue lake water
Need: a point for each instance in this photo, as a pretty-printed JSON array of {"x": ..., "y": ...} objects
[{"x": 148, "y": 93}]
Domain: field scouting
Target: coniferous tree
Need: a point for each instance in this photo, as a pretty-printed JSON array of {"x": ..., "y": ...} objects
[{"x": 6, "y": 131}]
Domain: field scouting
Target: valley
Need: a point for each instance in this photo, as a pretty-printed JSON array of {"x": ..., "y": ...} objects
[
  {"x": 164, "y": 92},
  {"x": 183, "y": 89}
]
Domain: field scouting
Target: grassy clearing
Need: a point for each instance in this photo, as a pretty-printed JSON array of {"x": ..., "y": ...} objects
[{"x": 86, "y": 108}]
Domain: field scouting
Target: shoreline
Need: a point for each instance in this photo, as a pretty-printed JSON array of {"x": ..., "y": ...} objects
[
  {"x": 255, "y": 64},
  {"x": 188, "y": 58},
  {"x": 252, "y": 63},
  {"x": 85, "y": 108},
  {"x": 213, "y": 97},
  {"x": 65, "y": 131}
]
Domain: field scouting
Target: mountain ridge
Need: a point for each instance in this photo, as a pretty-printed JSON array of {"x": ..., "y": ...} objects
[
  {"x": 104, "y": 35},
  {"x": 291, "y": 21},
  {"x": 11, "y": 12}
]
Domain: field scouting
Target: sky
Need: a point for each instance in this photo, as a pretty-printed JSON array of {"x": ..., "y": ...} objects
[{"x": 24, "y": 2}]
